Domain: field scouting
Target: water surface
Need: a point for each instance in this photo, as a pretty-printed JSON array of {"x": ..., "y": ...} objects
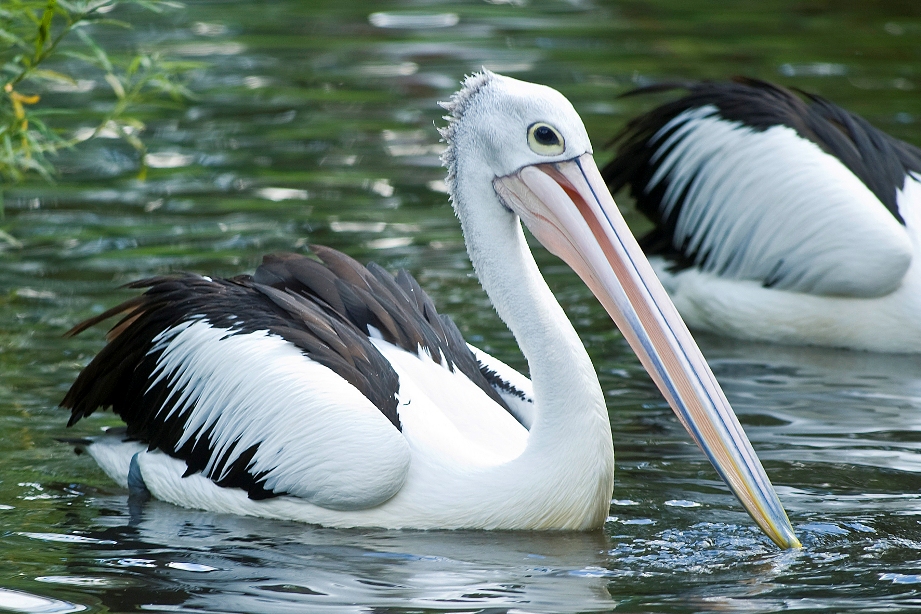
[{"x": 313, "y": 122}]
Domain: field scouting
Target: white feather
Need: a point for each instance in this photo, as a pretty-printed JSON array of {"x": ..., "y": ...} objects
[
  {"x": 747, "y": 310},
  {"x": 522, "y": 408},
  {"x": 113, "y": 455},
  {"x": 808, "y": 226},
  {"x": 319, "y": 438},
  {"x": 449, "y": 415}
]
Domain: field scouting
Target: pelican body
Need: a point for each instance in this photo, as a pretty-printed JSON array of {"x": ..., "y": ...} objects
[
  {"x": 323, "y": 391},
  {"x": 778, "y": 218}
]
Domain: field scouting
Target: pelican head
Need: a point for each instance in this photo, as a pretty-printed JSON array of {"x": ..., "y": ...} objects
[{"x": 534, "y": 162}]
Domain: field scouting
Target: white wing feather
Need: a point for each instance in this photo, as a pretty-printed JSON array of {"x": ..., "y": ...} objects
[
  {"x": 770, "y": 206},
  {"x": 522, "y": 408},
  {"x": 319, "y": 438},
  {"x": 451, "y": 416}
]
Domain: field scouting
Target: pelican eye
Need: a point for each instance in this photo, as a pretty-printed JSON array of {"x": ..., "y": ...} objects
[{"x": 545, "y": 140}]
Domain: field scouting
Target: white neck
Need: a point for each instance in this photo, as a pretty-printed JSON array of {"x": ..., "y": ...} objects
[
  {"x": 562, "y": 373},
  {"x": 570, "y": 438}
]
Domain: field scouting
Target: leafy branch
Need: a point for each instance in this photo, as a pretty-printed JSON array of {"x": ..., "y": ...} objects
[{"x": 38, "y": 32}]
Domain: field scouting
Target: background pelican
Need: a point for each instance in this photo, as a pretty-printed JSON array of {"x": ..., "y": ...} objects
[
  {"x": 334, "y": 394},
  {"x": 778, "y": 218}
]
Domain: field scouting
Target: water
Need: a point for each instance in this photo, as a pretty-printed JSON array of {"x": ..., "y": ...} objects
[{"x": 313, "y": 122}]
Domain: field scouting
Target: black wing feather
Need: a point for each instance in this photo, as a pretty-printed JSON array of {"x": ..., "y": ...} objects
[
  {"x": 880, "y": 161},
  {"x": 324, "y": 308}
]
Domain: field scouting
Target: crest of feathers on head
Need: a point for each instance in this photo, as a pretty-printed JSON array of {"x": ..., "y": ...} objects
[{"x": 456, "y": 107}]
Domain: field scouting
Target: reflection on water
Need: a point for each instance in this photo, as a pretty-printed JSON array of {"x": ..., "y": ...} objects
[
  {"x": 313, "y": 123},
  {"x": 231, "y": 564},
  {"x": 18, "y": 601}
]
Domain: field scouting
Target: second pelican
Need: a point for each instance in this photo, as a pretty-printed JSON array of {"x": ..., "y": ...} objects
[{"x": 778, "y": 219}]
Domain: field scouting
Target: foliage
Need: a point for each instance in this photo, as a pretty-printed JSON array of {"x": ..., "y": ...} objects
[{"x": 37, "y": 33}]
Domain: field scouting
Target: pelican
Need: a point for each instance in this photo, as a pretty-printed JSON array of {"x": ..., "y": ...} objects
[
  {"x": 322, "y": 391},
  {"x": 778, "y": 218}
]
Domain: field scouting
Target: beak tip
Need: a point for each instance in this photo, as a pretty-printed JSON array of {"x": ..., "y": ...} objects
[
  {"x": 785, "y": 537},
  {"x": 792, "y": 542}
]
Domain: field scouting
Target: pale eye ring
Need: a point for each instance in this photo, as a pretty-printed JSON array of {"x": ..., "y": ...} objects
[{"x": 545, "y": 140}]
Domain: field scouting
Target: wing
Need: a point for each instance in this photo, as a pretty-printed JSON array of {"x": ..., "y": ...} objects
[
  {"x": 271, "y": 383},
  {"x": 514, "y": 388},
  {"x": 747, "y": 181}
]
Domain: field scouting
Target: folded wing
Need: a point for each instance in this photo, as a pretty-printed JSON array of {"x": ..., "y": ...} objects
[
  {"x": 271, "y": 383},
  {"x": 747, "y": 181}
]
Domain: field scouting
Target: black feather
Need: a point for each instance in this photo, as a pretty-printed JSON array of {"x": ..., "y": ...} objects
[
  {"x": 326, "y": 309},
  {"x": 880, "y": 161}
]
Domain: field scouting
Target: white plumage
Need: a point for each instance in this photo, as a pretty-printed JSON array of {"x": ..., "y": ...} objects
[
  {"x": 771, "y": 205},
  {"x": 748, "y": 310},
  {"x": 321, "y": 441},
  {"x": 779, "y": 220}
]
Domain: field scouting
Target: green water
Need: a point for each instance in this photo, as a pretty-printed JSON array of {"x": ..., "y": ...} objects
[{"x": 312, "y": 122}]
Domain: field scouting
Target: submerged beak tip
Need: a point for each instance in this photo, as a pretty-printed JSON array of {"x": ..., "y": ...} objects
[
  {"x": 776, "y": 525},
  {"x": 788, "y": 539}
]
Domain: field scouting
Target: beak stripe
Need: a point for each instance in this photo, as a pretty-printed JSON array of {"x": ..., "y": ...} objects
[{"x": 645, "y": 304}]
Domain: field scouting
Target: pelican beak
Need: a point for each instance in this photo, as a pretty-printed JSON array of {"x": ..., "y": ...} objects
[{"x": 567, "y": 206}]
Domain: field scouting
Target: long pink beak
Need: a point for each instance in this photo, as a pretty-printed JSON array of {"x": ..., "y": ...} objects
[{"x": 567, "y": 206}]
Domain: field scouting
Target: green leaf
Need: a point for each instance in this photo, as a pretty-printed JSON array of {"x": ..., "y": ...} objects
[
  {"x": 11, "y": 38},
  {"x": 108, "y": 21},
  {"x": 76, "y": 55},
  {"x": 133, "y": 66},
  {"x": 100, "y": 55},
  {"x": 53, "y": 75},
  {"x": 7, "y": 237},
  {"x": 44, "y": 28},
  {"x": 116, "y": 85}
]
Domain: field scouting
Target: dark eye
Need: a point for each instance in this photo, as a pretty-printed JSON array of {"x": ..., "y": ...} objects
[
  {"x": 545, "y": 140},
  {"x": 545, "y": 136}
]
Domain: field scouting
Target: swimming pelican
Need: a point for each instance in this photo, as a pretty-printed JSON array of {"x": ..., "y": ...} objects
[
  {"x": 330, "y": 393},
  {"x": 778, "y": 219}
]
